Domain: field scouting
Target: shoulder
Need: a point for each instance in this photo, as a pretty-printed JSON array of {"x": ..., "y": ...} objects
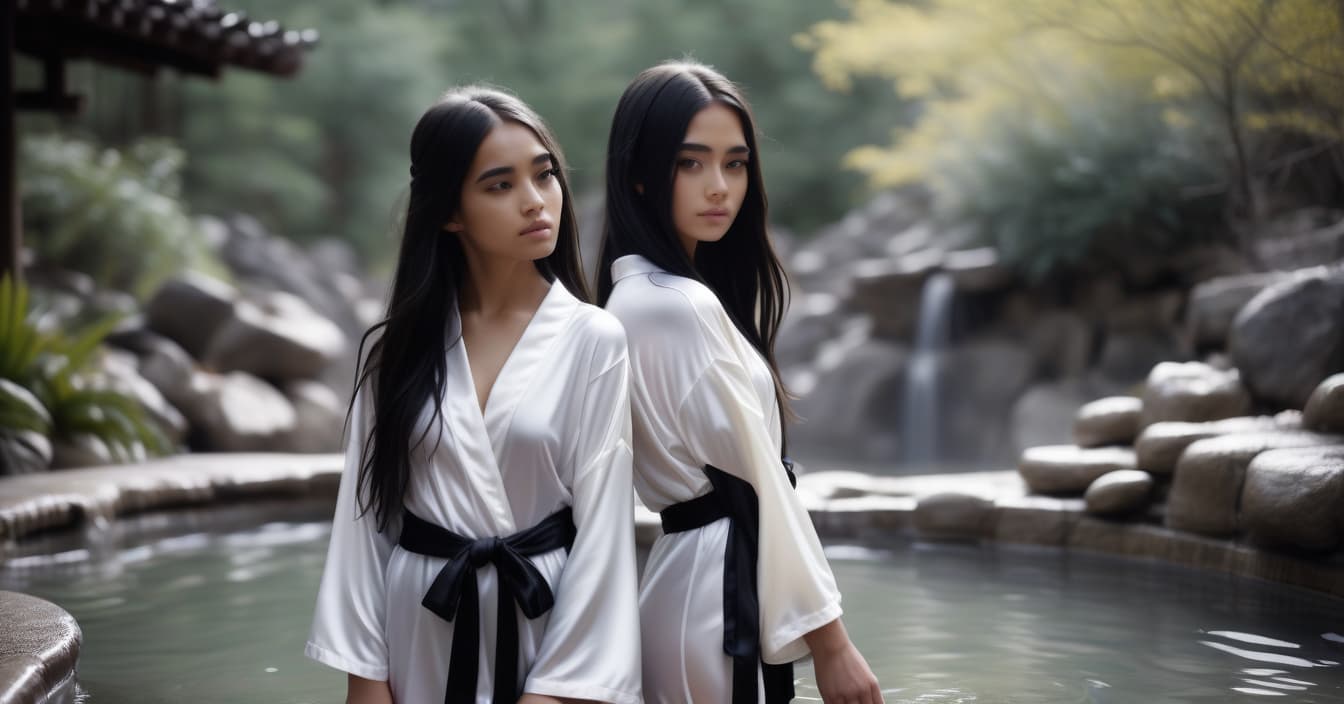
[
  {"x": 601, "y": 327},
  {"x": 661, "y": 305}
]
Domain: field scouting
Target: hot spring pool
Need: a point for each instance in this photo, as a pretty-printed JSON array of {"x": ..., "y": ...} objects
[{"x": 222, "y": 617}]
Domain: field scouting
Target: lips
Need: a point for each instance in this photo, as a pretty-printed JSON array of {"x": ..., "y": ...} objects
[
  {"x": 537, "y": 227},
  {"x": 715, "y": 213}
]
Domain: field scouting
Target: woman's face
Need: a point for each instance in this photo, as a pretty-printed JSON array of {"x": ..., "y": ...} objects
[
  {"x": 511, "y": 197},
  {"x": 711, "y": 176}
]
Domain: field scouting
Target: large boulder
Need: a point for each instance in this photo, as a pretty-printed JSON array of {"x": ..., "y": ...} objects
[
  {"x": 319, "y": 418},
  {"x": 1291, "y": 336},
  {"x": 1193, "y": 392},
  {"x": 1109, "y": 421},
  {"x": 279, "y": 337},
  {"x": 1214, "y": 304},
  {"x": 889, "y": 291},
  {"x": 977, "y": 270},
  {"x": 1292, "y": 499},
  {"x": 237, "y": 412},
  {"x": 1209, "y": 475},
  {"x": 189, "y": 309},
  {"x": 121, "y": 374},
  {"x": 1068, "y": 469},
  {"x": 854, "y": 403},
  {"x": 1325, "y": 407}
]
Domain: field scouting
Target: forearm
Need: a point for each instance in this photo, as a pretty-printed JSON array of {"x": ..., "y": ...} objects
[
  {"x": 828, "y": 639},
  {"x": 362, "y": 691}
]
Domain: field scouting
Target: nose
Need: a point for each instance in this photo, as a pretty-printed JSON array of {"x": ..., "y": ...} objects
[
  {"x": 717, "y": 186},
  {"x": 532, "y": 202}
]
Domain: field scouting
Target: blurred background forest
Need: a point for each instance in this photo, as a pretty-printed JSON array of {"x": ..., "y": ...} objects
[{"x": 1077, "y": 169}]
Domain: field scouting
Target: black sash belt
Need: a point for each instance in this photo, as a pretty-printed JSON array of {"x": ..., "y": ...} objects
[
  {"x": 735, "y": 499},
  {"x": 454, "y": 594}
]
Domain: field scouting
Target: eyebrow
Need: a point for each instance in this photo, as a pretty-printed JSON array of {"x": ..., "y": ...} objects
[
  {"x": 542, "y": 158},
  {"x": 693, "y": 147}
]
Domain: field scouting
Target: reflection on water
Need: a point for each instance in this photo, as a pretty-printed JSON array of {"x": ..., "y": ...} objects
[
  {"x": 1012, "y": 624},
  {"x": 222, "y": 618}
]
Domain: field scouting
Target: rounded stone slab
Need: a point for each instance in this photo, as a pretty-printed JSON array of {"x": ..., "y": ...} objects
[
  {"x": 1292, "y": 499},
  {"x": 1120, "y": 492},
  {"x": 953, "y": 516},
  {"x": 1108, "y": 421},
  {"x": 39, "y": 649},
  {"x": 1160, "y": 445},
  {"x": 1206, "y": 488},
  {"x": 1069, "y": 469},
  {"x": 1193, "y": 392},
  {"x": 189, "y": 309},
  {"x": 1325, "y": 408}
]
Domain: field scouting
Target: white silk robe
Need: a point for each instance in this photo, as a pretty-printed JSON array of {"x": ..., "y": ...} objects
[
  {"x": 701, "y": 394},
  {"x": 555, "y": 433}
]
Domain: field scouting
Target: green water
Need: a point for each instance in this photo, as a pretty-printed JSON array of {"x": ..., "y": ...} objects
[{"x": 222, "y": 617}]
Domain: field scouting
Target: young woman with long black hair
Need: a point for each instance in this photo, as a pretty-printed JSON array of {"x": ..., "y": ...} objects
[
  {"x": 482, "y": 548},
  {"x": 737, "y": 588}
]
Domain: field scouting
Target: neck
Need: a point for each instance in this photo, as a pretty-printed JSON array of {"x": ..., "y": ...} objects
[
  {"x": 496, "y": 286},
  {"x": 689, "y": 243}
]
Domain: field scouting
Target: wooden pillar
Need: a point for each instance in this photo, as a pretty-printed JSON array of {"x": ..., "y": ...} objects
[{"x": 11, "y": 223}]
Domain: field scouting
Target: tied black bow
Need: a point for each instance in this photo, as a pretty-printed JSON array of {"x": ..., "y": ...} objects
[
  {"x": 453, "y": 595},
  {"x": 736, "y": 500}
]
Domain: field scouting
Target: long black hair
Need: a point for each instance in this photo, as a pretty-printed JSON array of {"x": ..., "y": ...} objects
[
  {"x": 406, "y": 367},
  {"x": 646, "y": 134}
]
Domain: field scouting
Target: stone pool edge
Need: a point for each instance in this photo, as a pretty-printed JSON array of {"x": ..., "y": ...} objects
[{"x": 38, "y": 661}]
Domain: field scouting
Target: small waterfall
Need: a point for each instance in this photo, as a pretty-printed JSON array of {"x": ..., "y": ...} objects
[{"x": 919, "y": 417}]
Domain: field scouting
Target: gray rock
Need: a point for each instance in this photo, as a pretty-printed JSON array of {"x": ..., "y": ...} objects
[
  {"x": 1292, "y": 499},
  {"x": 1127, "y": 357},
  {"x": 238, "y": 413},
  {"x": 1193, "y": 392},
  {"x": 977, "y": 270},
  {"x": 280, "y": 338},
  {"x": 1118, "y": 493},
  {"x": 167, "y": 366},
  {"x": 189, "y": 309},
  {"x": 1291, "y": 336},
  {"x": 39, "y": 650},
  {"x": 1061, "y": 342},
  {"x": 888, "y": 290},
  {"x": 319, "y": 418},
  {"x": 24, "y": 452},
  {"x": 1043, "y": 414},
  {"x": 1325, "y": 407},
  {"x": 1301, "y": 238},
  {"x": 1068, "y": 469},
  {"x": 1209, "y": 475},
  {"x": 812, "y": 319},
  {"x": 1214, "y": 304},
  {"x": 1160, "y": 445},
  {"x": 979, "y": 380},
  {"x": 1108, "y": 421},
  {"x": 85, "y": 450},
  {"x": 122, "y": 375},
  {"x": 854, "y": 404},
  {"x": 953, "y": 516}
]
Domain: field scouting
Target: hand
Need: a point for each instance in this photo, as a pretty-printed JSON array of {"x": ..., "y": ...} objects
[{"x": 843, "y": 676}]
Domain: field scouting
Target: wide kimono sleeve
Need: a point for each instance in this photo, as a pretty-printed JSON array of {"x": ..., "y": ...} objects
[
  {"x": 590, "y": 649},
  {"x": 722, "y": 423},
  {"x": 348, "y": 623}
]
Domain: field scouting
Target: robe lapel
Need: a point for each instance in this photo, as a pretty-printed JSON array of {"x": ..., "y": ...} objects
[
  {"x": 526, "y": 360},
  {"x": 481, "y": 439}
]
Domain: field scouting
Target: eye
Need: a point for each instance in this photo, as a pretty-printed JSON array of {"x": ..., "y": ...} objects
[
  {"x": 548, "y": 174},
  {"x": 500, "y": 186},
  {"x": 737, "y": 164},
  {"x": 688, "y": 164}
]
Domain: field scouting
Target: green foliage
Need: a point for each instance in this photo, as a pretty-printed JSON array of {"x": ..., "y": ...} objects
[
  {"x": 1101, "y": 180},
  {"x": 53, "y": 369},
  {"x": 325, "y": 152},
  {"x": 114, "y": 214}
]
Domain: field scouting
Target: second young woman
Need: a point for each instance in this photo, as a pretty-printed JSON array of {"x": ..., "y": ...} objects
[
  {"x": 737, "y": 587},
  {"x": 482, "y": 548}
]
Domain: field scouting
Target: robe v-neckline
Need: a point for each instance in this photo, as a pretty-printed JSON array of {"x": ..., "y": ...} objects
[{"x": 481, "y": 435}]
